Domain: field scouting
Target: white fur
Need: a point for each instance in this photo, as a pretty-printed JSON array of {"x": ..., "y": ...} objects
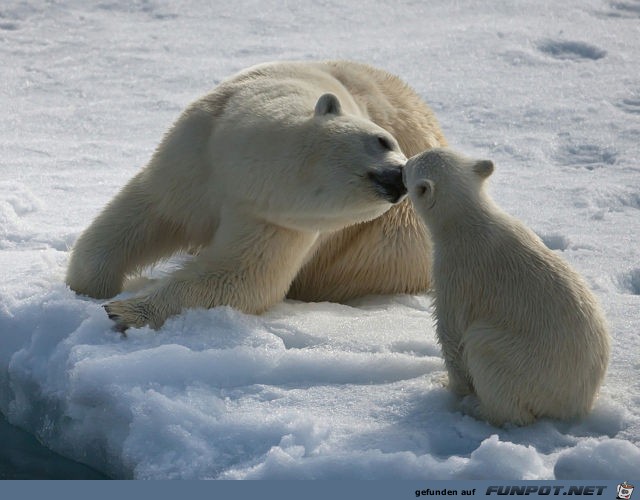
[
  {"x": 269, "y": 178},
  {"x": 518, "y": 327}
]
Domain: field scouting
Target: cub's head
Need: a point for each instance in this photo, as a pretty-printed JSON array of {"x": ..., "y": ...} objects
[
  {"x": 352, "y": 168},
  {"x": 442, "y": 183}
]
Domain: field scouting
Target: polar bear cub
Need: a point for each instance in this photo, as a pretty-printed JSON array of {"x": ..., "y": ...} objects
[{"x": 518, "y": 327}]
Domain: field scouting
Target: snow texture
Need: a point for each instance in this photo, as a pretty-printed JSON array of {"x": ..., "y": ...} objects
[{"x": 549, "y": 90}]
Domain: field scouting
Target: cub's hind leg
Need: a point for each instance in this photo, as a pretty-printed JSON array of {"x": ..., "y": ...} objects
[{"x": 497, "y": 366}]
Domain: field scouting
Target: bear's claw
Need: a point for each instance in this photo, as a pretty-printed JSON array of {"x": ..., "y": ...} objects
[
  {"x": 116, "y": 318},
  {"x": 127, "y": 314}
]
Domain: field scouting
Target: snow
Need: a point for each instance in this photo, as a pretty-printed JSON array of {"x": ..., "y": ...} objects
[{"x": 549, "y": 90}]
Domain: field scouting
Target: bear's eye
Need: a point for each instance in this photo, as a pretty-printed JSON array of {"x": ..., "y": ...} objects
[{"x": 385, "y": 143}]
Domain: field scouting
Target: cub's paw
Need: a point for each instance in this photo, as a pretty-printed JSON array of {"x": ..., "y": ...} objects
[
  {"x": 470, "y": 405},
  {"x": 130, "y": 313},
  {"x": 459, "y": 384}
]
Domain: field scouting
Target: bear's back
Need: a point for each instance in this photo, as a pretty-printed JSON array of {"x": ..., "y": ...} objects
[{"x": 288, "y": 90}]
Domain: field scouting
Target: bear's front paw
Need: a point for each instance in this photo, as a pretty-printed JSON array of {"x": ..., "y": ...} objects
[{"x": 129, "y": 313}]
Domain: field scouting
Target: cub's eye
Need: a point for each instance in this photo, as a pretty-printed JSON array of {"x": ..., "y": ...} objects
[{"x": 385, "y": 143}]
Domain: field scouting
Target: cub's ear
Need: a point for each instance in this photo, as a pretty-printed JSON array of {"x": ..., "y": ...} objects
[
  {"x": 484, "y": 168},
  {"x": 328, "y": 104},
  {"x": 424, "y": 190}
]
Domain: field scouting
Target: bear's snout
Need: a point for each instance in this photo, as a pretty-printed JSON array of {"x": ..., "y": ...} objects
[{"x": 389, "y": 184}]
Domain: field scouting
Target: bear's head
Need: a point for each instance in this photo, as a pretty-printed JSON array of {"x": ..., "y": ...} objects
[
  {"x": 442, "y": 184},
  {"x": 350, "y": 169}
]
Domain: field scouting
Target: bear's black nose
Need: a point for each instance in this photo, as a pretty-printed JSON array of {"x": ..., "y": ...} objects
[{"x": 388, "y": 183}]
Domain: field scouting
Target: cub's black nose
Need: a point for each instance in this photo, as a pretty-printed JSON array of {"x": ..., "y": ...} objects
[{"x": 388, "y": 183}]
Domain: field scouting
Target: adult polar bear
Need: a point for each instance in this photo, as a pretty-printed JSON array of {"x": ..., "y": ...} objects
[{"x": 284, "y": 178}]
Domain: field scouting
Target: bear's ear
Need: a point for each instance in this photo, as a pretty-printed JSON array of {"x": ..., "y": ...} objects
[
  {"x": 484, "y": 168},
  {"x": 425, "y": 191},
  {"x": 328, "y": 104}
]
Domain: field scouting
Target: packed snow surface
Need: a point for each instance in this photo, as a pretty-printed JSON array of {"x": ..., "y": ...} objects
[{"x": 548, "y": 90}]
